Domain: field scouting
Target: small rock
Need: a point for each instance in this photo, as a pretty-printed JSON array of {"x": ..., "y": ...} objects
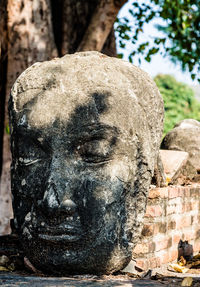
[
  {"x": 187, "y": 281},
  {"x": 4, "y": 260},
  {"x": 185, "y": 136}
]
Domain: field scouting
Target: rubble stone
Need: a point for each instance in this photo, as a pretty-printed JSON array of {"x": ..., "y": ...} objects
[{"x": 185, "y": 136}]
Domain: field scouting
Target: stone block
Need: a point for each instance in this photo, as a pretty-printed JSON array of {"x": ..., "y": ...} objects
[{"x": 173, "y": 161}]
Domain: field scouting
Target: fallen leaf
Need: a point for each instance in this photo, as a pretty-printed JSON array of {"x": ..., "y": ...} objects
[
  {"x": 197, "y": 256},
  {"x": 187, "y": 281},
  {"x": 2, "y": 268},
  {"x": 11, "y": 267},
  {"x": 195, "y": 264},
  {"x": 178, "y": 268},
  {"x": 182, "y": 261},
  {"x": 168, "y": 180}
]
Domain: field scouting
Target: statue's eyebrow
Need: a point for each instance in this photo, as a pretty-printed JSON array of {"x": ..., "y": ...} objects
[
  {"x": 35, "y": 140},
  {"x": 33, "y": 132},
  {"x": 95, "y": 132}
]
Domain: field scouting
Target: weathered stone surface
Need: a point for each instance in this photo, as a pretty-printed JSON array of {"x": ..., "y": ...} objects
[
  {"x": 185, "y": 136},
  {"x": 85, "y": 134}
]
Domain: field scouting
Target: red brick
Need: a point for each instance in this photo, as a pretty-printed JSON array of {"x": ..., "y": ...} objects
[
  {"x": 163, "y": 244},
  {"x": 141, "y": 248},
  {"x": 186, "y": 206},
  {"x": 189, "y": 234},
  {"x": 195, "y": 205},
  {"x": 181, "y": 191},
  {"x": 164, "y": 256},
  {"x": 183, "y": 221},
  {"x": 175, "y": 239},
  {"x": 171, "y": 209},
  {"x": 142, "y": 263},
  {"x": 156, "y": 228},
  {"x": 197, "y": 235},
  {"x": 162, "y": 227},
  {"x": 172, "y": 224},
  {"x": 173, "y": 254},
  {"x": 153, "y": 211},
  {"x": 194, "y": 219},
  {"x": 158, "y": 261},
  {"x": 194, "y": 192},
  {"x": 152, "y": 247},
  {"x": 174, "y": 206},
  {"x": 158, "y": 193},
  {"x": 196, "y": 246},
  {"x": 148, "y": 230},
  {"x": 154, "y": 262},
  {"x": 169, "y": 244},
  {"x": 186, "y": 191},
  {"x": 173, "y": 192}
]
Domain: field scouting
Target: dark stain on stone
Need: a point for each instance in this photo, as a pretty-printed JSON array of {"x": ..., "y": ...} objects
[{"x": 85, "y": 130}]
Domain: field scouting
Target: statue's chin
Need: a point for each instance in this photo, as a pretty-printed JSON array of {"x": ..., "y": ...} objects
[
  {"x": 65, "y": 249},
  {"x": 57, "y": 257},
  {"x": 80, "y": 263}
]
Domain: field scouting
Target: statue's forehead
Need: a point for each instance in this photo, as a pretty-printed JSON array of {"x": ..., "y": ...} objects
[
  {"x": 58, "y": 89},
  {"x": 83, "y": 109},
  {"x": 71, "y": 75},
  {"x": 66, "y": 95}
]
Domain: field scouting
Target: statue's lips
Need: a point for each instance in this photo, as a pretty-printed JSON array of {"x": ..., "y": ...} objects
[
  {"x": 60, "y": 238},
  {"x": 61, "y": 233}
]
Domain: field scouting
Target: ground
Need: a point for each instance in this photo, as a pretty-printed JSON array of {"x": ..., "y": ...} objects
[{"x": 156, "y": 278}]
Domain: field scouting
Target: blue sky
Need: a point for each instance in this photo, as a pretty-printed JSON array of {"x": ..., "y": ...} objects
[{"x": 158, "y": 64}]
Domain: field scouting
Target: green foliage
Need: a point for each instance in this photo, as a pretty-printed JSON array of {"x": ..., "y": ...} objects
[
  {"x": 179, "y": 101},
  {"x": 7, "y": 129},
  {"x": 182, "y": 28}
]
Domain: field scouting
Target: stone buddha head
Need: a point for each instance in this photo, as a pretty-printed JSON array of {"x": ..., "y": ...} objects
[{"x": 85, "y": 133}]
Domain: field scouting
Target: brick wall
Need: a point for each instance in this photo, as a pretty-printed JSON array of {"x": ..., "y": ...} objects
[{"x": 172, "y": 213}]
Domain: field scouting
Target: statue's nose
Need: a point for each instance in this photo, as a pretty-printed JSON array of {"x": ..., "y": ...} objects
[
  {"x": 68, "y": 206},
  {"x": 54, "y": 203},
  {"x": 58, "y": 196}
]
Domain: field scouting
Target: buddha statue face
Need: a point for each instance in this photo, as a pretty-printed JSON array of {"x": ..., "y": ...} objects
[{"x": 81, "y": 167}]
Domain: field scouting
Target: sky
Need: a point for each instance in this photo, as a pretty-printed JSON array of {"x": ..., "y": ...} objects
[{"x": 158, "y": 64}]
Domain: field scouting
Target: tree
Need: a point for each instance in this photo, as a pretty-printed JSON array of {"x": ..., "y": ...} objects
[
  {"x": 181, "y": 31},
  {"x": 40, "y": 30},
  {"x": 179, "y": 101}
]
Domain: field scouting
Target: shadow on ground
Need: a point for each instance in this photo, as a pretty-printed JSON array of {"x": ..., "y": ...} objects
[{"x": 15, "y": 280}]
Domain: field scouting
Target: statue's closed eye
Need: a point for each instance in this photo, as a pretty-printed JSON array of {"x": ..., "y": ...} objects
[
  {"x": 30, "y": 151},
  {"x": 28, "y": 161},
  {"x": 95, "y": 144},
  {"x": 94, "y": 150}
]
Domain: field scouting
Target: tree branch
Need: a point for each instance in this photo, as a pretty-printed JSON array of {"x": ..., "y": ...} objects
[{"x": 101, "y": 25}]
